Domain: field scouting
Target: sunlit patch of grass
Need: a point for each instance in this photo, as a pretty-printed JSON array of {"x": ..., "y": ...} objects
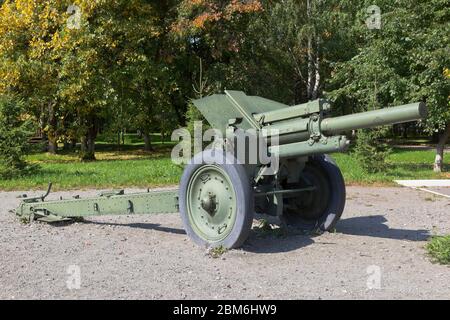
[
  {"x": 101, "y": 155},
  {"x": 438, "y": 248},
  {"x": 52, "y": 158},
  {"x": 401, "y": 165}
]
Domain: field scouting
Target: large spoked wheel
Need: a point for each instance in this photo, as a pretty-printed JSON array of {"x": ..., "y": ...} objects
[
  {"x": 216, "y": 202},
  {"x": 321, "y": 208}
]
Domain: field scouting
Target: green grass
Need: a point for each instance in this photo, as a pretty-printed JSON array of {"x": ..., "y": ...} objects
[
  {"x": 132, "y": 167},
  {"x": 401, "y": 164},
  {"x": 438, "y": 248},
  {"x": 128, "y": 167},
  {"x": 99, "y": 174}
]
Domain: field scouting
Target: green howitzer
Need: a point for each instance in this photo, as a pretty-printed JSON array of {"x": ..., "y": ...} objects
[{"x": 219, "y": 192}]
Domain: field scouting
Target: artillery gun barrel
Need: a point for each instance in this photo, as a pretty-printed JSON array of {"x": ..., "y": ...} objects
[
  {"x": 298, "y": 129},
  {"x": 302, "y": 136},
  {"x": 370, "y": 119}
]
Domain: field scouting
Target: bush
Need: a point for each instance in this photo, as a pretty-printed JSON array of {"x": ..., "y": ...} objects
[
  {"x": 371, "y": 151},
  {"x": 15, "y": 129}
]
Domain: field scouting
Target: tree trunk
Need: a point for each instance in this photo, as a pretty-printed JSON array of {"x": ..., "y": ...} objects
[
  {"x": 52, "y": 142},
  {"x": 88, "y": 142},
  {"x": 439, "y": 160},
  {"x": 315, "y": 91},
  {"x": 310, "y": 81},
  {"x": 314, "y": 80},
  {"x": 118, "y": 140},
  {"x": 87, "y": 147},
  {"x": 91, "y": 147},
  {"x": 83, "y": 146},
  {"x": 148, "y": 142},
  {"x": 309, "y": 85},
  {"x": 51, "y": 134}
]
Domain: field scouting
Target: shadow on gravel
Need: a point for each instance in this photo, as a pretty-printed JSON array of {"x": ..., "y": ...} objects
[
  {"x": 374, "y": 226},
  {"x": 276, "y": 244},
  {"x": 146, "y": 226}
]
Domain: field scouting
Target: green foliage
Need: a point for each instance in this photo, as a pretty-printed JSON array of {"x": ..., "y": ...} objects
[
  {"x": 133, "y": 64},
  {"x": 370, "y": 151},
  {"x": 405, "y": 61},
  {"x": 110, "y": 72},
  {"x": 14, "y": 133},
  {"x": 192, "y": 116},
  {"x": 439, "y": 249}
]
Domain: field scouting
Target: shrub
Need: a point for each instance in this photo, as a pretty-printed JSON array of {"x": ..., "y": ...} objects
[
  {"x": 15, "y": 128},
  {"x": 370, "y": 151}
]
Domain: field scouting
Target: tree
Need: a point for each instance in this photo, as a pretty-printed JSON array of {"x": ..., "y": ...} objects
[
  {"x": 215, "y": 32},
  {"x": 14, "y": 130},
  {"x": 279, "y": 49},
  {"x": 83, "y": 65},
  {"x": 101, "y": 62},
  {"x": 27, "y": 67},
  {"x": 404, "y": 61},
  {"x": 154, "y": 85}
]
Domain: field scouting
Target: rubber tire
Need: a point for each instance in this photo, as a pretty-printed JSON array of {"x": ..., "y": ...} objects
[
  {"x": 332, "y": 214},
  {"x": 244, "y": 198}
]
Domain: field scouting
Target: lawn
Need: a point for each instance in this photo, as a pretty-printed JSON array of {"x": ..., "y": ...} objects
[
  {"x": 401, "y": 165},
  {"x": 128, "y": 167},
  {"x": 438, "y": 248},
  {"x": 132, "y": 167}
]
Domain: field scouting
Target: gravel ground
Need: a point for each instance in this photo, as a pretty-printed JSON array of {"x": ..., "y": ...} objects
[
  {"x": 377, "y": 252},
  {"x": 441, "y": 190}
]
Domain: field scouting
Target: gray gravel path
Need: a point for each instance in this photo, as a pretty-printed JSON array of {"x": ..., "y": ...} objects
[{"x": 380, "y": 241}]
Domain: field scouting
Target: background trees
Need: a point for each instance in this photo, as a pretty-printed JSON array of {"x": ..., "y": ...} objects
[
  {"x": 406, "y": 60},
  {"x": 83, "y": 67},
  {"x": 14, "y": 131}
]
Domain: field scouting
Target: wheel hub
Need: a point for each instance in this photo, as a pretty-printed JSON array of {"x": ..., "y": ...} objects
[{"x": 211, "y": 203}]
